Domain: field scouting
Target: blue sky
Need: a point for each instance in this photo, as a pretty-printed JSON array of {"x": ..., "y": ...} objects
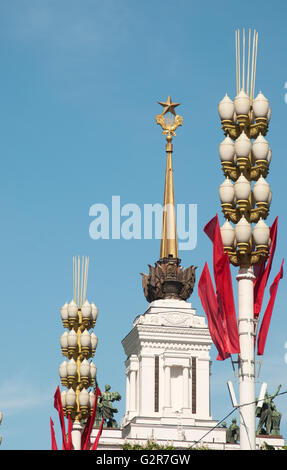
[{"x": 79, "y": 88}]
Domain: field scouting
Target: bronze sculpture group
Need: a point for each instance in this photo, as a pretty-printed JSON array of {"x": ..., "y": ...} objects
[
  {"x": 105, "y": 408},
  {"x": 269, "y": 420}
]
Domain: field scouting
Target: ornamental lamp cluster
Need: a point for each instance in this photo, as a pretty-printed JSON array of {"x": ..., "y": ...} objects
[
  {"x": 245, "y": 194},
  {"x": 78, "y": 345}
]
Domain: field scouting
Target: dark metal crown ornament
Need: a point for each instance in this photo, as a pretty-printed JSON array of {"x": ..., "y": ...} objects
[{"x": 167, "y": 279}]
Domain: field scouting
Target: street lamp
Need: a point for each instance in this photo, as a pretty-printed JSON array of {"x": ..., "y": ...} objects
[
  {"x": 245, "y": 200},
  {"x": 78, "y": 345}
]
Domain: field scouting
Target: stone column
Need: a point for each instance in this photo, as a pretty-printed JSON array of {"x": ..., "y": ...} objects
[
  {"x": 185, "y": 400},
  {"x": 202, "y": 385},
  {"x": 132, "y": 390},
  {"x": 167, "y": 387},
  {"x": 127, "y": 390}
]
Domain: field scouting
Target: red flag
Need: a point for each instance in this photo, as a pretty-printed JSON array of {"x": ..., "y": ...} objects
[
  {"x": 262, "y": 336},
  {"x": 212, "y": 230},
  {"x": 53, "y": 437},
  {"x": 210, "y": 306},
  {"x": 95, "y": 444},
  {"x": 59, "y": 407},
  {"x": 262, "y": 273},
  {"x": 224, "y": 289},
  {"x": 90, "y": 422},
  {"x": 70, "y": 427}
]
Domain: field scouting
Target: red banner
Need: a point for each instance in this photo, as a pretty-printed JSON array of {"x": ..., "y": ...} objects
[
  {"x": 53, "y": 437},
  {"x": 59, "y": 407},
  {"x": 210, "y": 306},
  {"x": 262, "y": 336},
  {"x": 224, "y": 289},
  {"x": 90, "y": 423},
  {"x": 262, "y": 273},
  {"x": 95, "y": 444}
]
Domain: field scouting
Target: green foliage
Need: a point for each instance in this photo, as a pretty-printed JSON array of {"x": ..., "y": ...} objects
[
  {"x": 148, "y": 445},
  {"x": 152, "y": 445},
  {"x": 199, "y": 448}
]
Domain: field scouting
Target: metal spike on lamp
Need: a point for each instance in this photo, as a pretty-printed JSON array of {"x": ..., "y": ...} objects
[
  {"x": 245, "y": 160},
  {"x": 78, "y": 345}
]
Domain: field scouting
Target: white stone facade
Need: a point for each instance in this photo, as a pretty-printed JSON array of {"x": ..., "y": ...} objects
[{"x": 168, "y": 365}]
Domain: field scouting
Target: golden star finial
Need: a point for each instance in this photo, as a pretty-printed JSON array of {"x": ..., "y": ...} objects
[{"x": 169, "y": 106}]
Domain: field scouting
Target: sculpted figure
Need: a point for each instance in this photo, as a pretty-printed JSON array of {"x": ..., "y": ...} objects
[
  {"x": 105, "y": 408},
  {"x": 232, "y": 433},
  {"x": 269, "y": 416}
]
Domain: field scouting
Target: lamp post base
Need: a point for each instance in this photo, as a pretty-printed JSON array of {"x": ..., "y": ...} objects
[{"x": 77, "y": 435}]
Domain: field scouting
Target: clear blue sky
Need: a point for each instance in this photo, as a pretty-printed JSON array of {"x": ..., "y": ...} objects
[{"x": 79, "y": 88}]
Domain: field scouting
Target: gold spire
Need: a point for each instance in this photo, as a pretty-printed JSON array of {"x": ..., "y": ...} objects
[{"x": 169, "y": 233}]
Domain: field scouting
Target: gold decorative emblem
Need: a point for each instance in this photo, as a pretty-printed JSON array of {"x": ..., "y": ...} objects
[{"x": 169, "y": 124}]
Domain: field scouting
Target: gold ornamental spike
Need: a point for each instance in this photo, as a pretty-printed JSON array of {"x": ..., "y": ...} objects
[
  {"x": 169, "y": 124},
  {"x": 80, "y": 279}
]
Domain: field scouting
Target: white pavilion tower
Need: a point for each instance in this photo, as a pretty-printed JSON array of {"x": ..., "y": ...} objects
[{"x": 168, "y": 375}]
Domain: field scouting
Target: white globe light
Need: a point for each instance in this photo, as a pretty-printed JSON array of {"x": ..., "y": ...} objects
[
  {"x": 63, "y": 370},
  {"x": 85, "y": 368},
  {"x": 93, "y": 370},
  {"x": 226, "y": 150},
  {"x": 260, "y": 106},
  {"x": 70, "y": 398},
  {"x": 72, "y": 368},
  {"x": 64, "y": 311},
  {"x": 269, "y": 115},
  {"x": 269, "y": 198},
  {"x": 92, "y": 399},
  {"x": 85, "y": 339},
  {"x": 243, "y": 231},
  {"x": 95, "y": 312},
  {"x": 72, "y": 339},
  {"x": 261, "y": 190},
  {"x": 84, "y": 398},
  {"x": 242, "y": 188},
  {"x": 260, "y": 148},
  {"x": 64, "y": 340},
  {"x": 269, "y": 156},
  {"x": 261, "y": 233},
  {"x": 94, "y": 341},
  {"x": 63, "y": 398},
  {"x": 86, "y": 310},
  {"x": 242, "y": 103},
  {"x": 242, "y": 146},
  {"x": 226, "y": 192},
  {"x": 226, "y": 108},
  {"x": 72, "y": 309},
  {"x": 227, "y": 234}
]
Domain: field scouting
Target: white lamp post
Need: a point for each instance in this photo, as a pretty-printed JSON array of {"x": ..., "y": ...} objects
[{"x": 250, "y": 163}]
